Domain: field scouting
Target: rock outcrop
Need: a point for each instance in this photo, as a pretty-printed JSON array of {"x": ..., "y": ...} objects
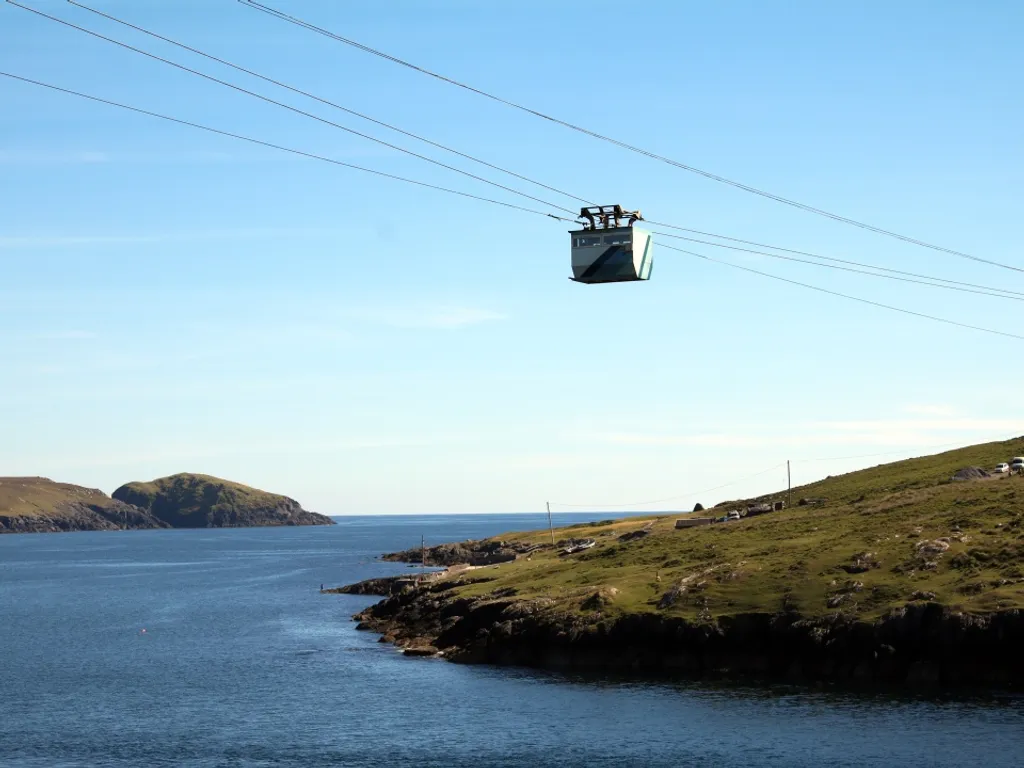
[
  {"x": 919, "y": 644},
  {"x": 464, "y": 553},
  {"x": 970, "y": 473},
  {"x": 201, "y": 501}
]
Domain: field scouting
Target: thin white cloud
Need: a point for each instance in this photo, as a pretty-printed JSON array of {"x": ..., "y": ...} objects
[
  {"x": 49, "y": 157},
  {"x": 930, "y": 410},
  {"x": 429, "y": 317},
  {"x": 949, "y": 424},
  {"x": 42, "y": 369},
  {"x": 70, "y": 241},
  {"x": 30, "y": 157},
  {"x": 277, "y": 334},
  {"x": 882, "y": 432},
  {"x": 644, "y": 438},
  {"x": 202, "y": 450},
  {"x": 64, "y": 241},
  {"x": 42, "y": 157},
  {"x": 64, "y": 335},
  {"x": 542, "y": 461}
]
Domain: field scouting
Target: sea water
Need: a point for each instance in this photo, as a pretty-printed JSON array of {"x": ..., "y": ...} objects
[{"x": 216, "y": 648}]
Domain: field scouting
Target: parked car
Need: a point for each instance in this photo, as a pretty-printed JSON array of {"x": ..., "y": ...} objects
[
  {"x": 1002, "y": 469},
  {"x": 1017, "y": 464},
  {"x": 733, "y": 515}
]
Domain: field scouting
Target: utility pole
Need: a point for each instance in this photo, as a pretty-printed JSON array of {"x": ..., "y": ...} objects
[
  {"x": 550, "y": 528},
  {"x": 789, "y": 486},
  {"x": 423, "y": 555}
]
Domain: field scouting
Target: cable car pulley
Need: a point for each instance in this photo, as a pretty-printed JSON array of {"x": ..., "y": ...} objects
[{"x": 607, "y": 251}]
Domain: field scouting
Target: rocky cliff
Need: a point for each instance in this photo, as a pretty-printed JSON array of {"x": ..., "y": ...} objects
[
  {"x": 917, "y": 644},
  {"x": 39, "y": 505},
  {"x": 201, "y": 501}
]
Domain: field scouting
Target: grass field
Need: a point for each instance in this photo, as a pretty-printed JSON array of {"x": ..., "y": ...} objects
[
  {"x": 188, "y": 494},
  {"x": 884, "y": 537},
  {"x": 38, "y": 496}
]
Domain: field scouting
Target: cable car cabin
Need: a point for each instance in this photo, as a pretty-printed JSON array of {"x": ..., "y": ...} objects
[
  {"x": 611, "y": 256},
  {"x": 605, "y": 252}
]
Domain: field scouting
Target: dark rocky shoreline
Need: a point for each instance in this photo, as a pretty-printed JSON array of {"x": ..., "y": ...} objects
[
  {"x": 78, "y": 516},
  {"x": 921, "y": 644},
  {"x": 462, "y": 553}
]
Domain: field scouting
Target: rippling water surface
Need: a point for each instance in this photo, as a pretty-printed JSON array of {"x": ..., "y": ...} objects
[{"x": 244, "y": 663}]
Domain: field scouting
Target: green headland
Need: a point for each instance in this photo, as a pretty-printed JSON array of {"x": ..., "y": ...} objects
[
  {"x": 40, "y": 505},
  {"x": 853, "y": 556}
]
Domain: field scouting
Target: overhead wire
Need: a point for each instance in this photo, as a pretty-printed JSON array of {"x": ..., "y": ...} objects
[
  {"x": 987, "y": 292},
  {"x": 328, "y": 102},
  {"x": 476, "y": 197},
  {"x": 846, "y": 295},
  {"x": 289, "y": 107},
  {"x": 431, "y": 160},
  {"x": 984, "y": 290},
  {"x": 653, "y": 155},
  {"x": 271, "y": 145},
  {"x": 830, "y": 258},
  {"x": 508, "y": 205}
]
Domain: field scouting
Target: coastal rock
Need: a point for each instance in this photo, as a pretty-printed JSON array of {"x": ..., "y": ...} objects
[
  {"x": 39, "y": 505},
  {"x": 475, "y": 553},
  {"x": 920, "y": 644},
  {"x": 388, "y": 585},
  {"x": 420, "y": 651}
]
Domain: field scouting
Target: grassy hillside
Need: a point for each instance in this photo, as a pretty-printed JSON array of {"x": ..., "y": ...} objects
[
  {"x": 884, "y": 537},
  {"x": 33, "y": 496},
  {"x": 39, "y": 505},
  {"x": 200, "y": 501}
]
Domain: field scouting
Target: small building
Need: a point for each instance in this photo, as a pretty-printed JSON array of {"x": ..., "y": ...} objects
[{"x": 693, "y": 522}]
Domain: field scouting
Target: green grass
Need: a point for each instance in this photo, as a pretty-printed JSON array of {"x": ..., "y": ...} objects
[
  {"x": 39, "y": 496},
  {"x": 195, "y": 480},
  {"x": 794, "y": 559},
  {"x": 186, "y": 494}
]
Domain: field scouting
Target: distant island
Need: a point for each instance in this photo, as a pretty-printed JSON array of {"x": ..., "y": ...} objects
[
  {"x": 906, "y": 573},
  {"x": 40, "y": 505}
]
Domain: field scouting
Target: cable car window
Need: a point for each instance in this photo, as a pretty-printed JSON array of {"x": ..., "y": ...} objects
[
  {"x": 620, "y": 239},
  {"x": 585, "y": 241}
]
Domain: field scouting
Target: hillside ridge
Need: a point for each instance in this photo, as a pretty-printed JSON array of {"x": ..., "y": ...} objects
[
  {"x": 898, "y": 563},
  {"x": 188, "y": 500},
  {"x": 41, "y": 505}
]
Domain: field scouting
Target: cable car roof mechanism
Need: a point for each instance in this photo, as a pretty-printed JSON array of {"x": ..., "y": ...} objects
[{"x": 609, "y": 249}]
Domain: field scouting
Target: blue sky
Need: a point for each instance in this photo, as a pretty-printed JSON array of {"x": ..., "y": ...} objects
[{"x": 176, "y": 301}]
